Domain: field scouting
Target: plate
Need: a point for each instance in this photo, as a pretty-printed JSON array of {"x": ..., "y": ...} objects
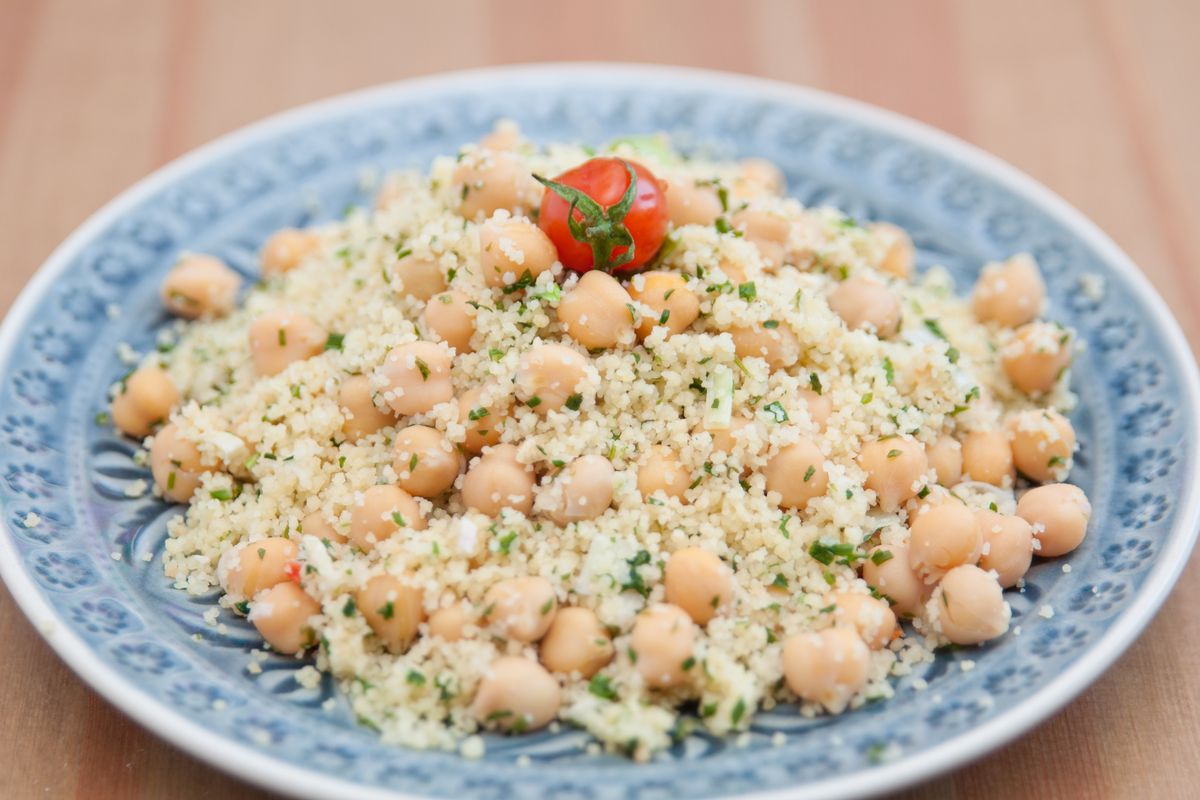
[{"x": 87, "y": 576}]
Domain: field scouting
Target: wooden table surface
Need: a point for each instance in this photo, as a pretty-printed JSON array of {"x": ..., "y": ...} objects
[{"x": 1097, "y": 99}]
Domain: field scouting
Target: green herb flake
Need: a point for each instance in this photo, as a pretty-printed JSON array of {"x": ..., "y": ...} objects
[
  {"x": 889, "y": 372},
  {"x": 415, "y": 678},
  {"x": 808, "y": 473},
  {"x": 349, "y": 608},
  {"x": 574, "y": 401},
  {"x": 334, "y": 341},
  {"x": 421, "y": 365},
  {"x": 776, "y": 410},
  {"x": 747, "y": 291},
  {"x": 739, "y": 710},
  {"x": 814, "y": 381},
  {"x": 387, "y": 610},
  {"x": 601, "y": 686}
]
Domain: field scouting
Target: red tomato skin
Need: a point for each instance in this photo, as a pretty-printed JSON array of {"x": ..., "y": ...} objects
[{"x": 605, "y": 180}]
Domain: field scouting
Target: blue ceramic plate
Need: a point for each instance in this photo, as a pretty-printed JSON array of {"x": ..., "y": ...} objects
[{"x": 82, "y": 576}]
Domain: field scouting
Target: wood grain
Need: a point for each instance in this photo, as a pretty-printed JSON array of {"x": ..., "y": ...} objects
[{"x": 1095, "y": 99}]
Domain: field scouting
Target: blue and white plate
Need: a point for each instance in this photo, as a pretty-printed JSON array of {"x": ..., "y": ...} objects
[{"x": 84, "y": 576}]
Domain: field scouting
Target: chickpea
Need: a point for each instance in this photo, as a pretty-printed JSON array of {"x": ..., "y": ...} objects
[
  {"x": 1043, "y": 443},
  {"x": 935, "y": 497},
  {"x": 699, "y": 583},
  {"x": 508, "y": 248},
  {"x": 946, "y": 459},
  {"x": 828, "y": 667},
  {"x": 663, "y": 640},
  {"x": 971, "y": 607},
  {"x": 280, "y": 337},
  {"x": 392, "y": 191},
  {"x": 587, "y": 489},
  {"x": 1011, "y": 293},
  {"x": 598, "y": 312},
  {"x": 281, "y": 615},
  {"x": 426, "y": 463},
  {"x": 521, "y": 609},
  {"x": 733, "y": 271},
  {"x": 726, "y": 440},
  {"x": 1007, "y": 546},
  {"x": 872, "y": 619},
  {"x": 315, "y": 524},
  {"x": 778, "y": 346},
  {"x": 450, "y": 318},
  {"x": 362, "y": 416},
  {"x": 670, "y": 302},
  {"x": 419, "y": 277},
  {"x": 484, "y": 422},
  {"x": 505, "y": 135},
  {"x": 394, "y": 610},
  {"x": 1059, "y": 514},
  {"x": 942, "y": 538},
  {"x": 758, "y": 177},
  {"x": 866, "y": 304},
  {"x": 692, "y": 202},
  {"x": 382, "y": 511},
  {"x": 1036, "y": 357},
  {"x": 516, "y": 695},
  {"x": 450, "y": 622},
  {"x": 895, "y": 470},
  {"x": 487, "y": 181},
  {"x": 819, "y": 408},
  {"x": 260, "y": 565},
  {"x": 418, "y": 377},
  {"x": 662, "y": 473},
  {"x": 497, "y": 481},
  {"x": 145, "y": 401},
  {"x": 987, "y": 456},
  {"x": 176, "y": 464},
  {"x": 576, "y": 644},
  {"x": 548, "y": 375},
  {"x": 899, "y": 255},
  {"x": 888, "y": 571},
  {"x": 200, "y": 286},
  {"x": 284, "y": 251},
  {"x": 767, "y": 231},
  {"x": 797, "y": 472}
]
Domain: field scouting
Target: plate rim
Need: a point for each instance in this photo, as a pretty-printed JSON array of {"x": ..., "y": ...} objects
[{"x": 273, "y": 774}]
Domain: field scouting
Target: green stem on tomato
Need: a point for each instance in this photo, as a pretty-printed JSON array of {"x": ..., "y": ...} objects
[{"x": 603, "y": 231}]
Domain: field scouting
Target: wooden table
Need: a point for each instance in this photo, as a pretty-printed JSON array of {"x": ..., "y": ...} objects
[{"x": 1096, "y": 99}]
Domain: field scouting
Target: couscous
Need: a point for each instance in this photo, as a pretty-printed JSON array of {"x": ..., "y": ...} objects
[{"x": 642, "y": 447}]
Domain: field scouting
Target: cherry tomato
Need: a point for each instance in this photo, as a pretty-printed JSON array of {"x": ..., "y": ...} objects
[{"x": 605, "y": 182}]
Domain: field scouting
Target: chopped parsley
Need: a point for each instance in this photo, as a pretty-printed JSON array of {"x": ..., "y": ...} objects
[
  {"x": 776, "y": 410},
  {"x": 601, "y": 686}
]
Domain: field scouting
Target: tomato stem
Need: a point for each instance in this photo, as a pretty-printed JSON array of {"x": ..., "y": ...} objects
[{"x": 603, "y": 231}]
